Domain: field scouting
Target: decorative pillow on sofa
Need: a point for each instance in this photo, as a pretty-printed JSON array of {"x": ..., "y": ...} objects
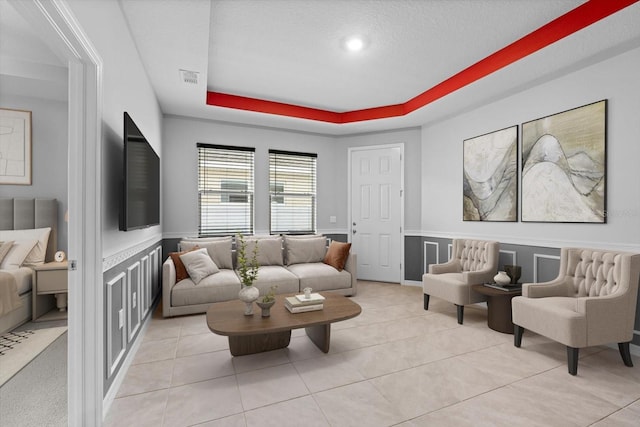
[
  {"x": 199, "y": 264},
  {"x": 18, "y": 253},
  {"x": 219, "y": 250},
  {"x": 304, "y": 250},
  {"x": 269, "y": 249},
  {"x": 181, "y": 271},
  {"x": 337, "y": 255}
]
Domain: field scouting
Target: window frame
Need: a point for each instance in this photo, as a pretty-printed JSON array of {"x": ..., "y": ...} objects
[
  {"x": 207, "y": 153},
  {"x": 280, "y": 197}
]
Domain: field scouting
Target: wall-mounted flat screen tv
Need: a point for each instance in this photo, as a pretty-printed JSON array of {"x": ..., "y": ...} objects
[{"x": 141, "y": 193}]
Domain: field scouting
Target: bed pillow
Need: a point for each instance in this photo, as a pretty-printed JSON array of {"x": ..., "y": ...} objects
[
  {"x": 337, "y": 255},
  {"x": 5, "y": 247},
  {"x": 219, "y": 250},
  {"x": 299, "y": 251},
  {"x": 39, "y": 251},
  {"x": 16, "y": 256},
  {"x": 199, "y": 264}
]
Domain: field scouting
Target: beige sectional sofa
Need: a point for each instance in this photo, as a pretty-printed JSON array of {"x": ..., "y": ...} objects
[{"x": 290, "y": 262}]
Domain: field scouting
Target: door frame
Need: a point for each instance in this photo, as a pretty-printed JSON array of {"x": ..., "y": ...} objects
[
  {"x": 351, "y": 150},
  {"x": 58, "y": 27}
]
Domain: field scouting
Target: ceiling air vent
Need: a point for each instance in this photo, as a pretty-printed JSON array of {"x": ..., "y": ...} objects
[{"x": 190, "y": 77}]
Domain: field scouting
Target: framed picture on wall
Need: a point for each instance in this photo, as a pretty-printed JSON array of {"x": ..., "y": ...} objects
[
  {"x": 564, "y": 166},
  {"x": 490, "y": 176},
  {"x": 15, "y": 147}
]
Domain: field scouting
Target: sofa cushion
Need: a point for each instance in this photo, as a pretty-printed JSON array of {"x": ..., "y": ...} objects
[
  {"x": 199, "y": 265},
  {"x": 269, "y": 250},
  {"x": 337, "y": 255},
  {"x": 303, "y": 250},
  {"x": 320, "y": 276},
  {"x": 219, "y": 250},
  {"x": 270, "y": 275},
  {"x": 222, "y": 286}
]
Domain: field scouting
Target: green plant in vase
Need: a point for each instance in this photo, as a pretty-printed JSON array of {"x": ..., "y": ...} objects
[
  {"x": 247, "y": 268},
  {"x": 248, "y": 272},
  {"x": 267, "y": 301}
]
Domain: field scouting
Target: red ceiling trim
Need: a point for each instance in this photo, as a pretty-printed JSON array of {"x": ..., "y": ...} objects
[{"x": 575, "y": 20}]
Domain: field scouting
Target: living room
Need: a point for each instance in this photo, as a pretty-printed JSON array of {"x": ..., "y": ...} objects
[{"x": 432, "y": 157}]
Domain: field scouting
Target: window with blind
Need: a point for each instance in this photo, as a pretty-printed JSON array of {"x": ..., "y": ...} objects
[
  {"x": 292, "y": 191},
  {"x": 225, "y": 189}
]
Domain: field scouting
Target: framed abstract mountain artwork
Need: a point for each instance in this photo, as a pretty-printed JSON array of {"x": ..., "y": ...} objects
[
  {"x": 564, "y": 160},
  {"x": 490, "y": 176}
]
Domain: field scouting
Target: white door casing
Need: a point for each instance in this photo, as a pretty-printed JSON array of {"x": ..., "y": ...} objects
[
  {"x": 57, "y": 26},
  {"x": 376, "y": 203}
]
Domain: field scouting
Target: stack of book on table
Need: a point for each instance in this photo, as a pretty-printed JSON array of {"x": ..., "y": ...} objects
[{"x": 300, "y": 304}]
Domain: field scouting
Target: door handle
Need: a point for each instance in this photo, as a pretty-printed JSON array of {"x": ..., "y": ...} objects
[
  {"x": 353, "y": 231},
  {"x": 354, "y": 224}
]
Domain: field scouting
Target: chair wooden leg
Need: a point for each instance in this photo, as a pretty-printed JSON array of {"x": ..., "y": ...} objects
[
  {"x": 625, "y": 353},
  {"x": 460, "y": 313},
  {"x": 517, "y": 335},
  {"x": 572, "y": 360},
  {"x": 426, "y": 302}
]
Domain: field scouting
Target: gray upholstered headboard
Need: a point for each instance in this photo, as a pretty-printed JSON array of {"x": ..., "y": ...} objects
[{"x": 22, "y": 214}]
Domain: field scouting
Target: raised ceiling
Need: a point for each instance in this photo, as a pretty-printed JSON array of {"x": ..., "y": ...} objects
[{"x": 285, "y": 51}]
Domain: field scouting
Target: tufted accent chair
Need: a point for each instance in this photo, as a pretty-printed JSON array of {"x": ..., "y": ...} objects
[
  {"x": 591, "y": 302},
  {"x": 472, "y": 262}
]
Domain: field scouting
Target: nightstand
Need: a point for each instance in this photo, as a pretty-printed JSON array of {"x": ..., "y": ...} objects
[{"x": 49, "y": 279}]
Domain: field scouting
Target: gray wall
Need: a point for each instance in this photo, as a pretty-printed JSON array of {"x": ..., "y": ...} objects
[
  {"x": 49, "y": 154},
  {"x": 180, "y": 196},
  {"x": 614, "y": 79},
  {"x": 126, "y": 87},
  {"x": 180, "y": 179}
]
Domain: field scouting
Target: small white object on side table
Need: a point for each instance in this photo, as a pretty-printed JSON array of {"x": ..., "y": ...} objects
[{"x": 50, "y": 278}]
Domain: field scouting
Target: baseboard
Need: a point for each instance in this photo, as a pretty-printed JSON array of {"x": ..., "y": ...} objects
[{"x": 415, "y": 283}]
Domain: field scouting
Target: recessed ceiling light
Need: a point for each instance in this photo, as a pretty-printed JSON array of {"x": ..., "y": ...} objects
[{"x": 354, "y": 43}]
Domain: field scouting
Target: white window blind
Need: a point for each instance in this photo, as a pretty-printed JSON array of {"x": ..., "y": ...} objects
[
  {"x": 225, "y": 189},
  {"x": 292, "y": 188}
]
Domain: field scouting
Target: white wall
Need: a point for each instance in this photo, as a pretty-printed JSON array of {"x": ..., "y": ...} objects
[
  {"x": 180, "y": 169},
  {"x": 126, "y": 87},
  {"x": 614, "y": 79},
  {"x": 48, "y": 157}
]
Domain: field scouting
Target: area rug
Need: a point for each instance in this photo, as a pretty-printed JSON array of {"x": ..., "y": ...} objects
[{"x": 17, "y": 349}]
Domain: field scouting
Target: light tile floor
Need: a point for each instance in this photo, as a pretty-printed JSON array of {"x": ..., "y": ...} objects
[{"x": 395, "y": 364}]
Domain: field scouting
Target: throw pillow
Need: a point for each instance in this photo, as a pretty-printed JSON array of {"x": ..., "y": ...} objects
[
  {"x": 181, "y": 271},
  {"x": 269, "y": 250},
  {"x": 337, "y": 255},
  {"x": 18, "y": 253},
  {"x": 219, "y": 250},
  {"x": 199, "y": 264},
  {"x": 300, "y": 251},
  {"x": 5, "y": 247}
]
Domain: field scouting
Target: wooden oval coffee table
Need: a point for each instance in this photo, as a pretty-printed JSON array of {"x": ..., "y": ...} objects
[{"x": 255, "y": 334}]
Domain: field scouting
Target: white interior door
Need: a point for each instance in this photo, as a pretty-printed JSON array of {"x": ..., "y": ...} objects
[{"x": 376, "y": 212}]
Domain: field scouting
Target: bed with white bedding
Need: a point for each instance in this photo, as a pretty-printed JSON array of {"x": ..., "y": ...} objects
[{"x": 28, "y": 228}]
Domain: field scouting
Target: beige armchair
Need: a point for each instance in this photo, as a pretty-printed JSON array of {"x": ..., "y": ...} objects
[
  {"x": 591, "y": 302},
  {"x": 472, "y": 262}
]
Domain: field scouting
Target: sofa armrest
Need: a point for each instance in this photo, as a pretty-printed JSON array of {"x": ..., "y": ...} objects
[
  {"x": 555, "y": 288},
  {"x": 452, "y": 266},
  {"x": 608, "y": 318},
  {"x": 352, "y": 267},
  {"x": 168, "y": 282},
  {"x": 478, "y": 277}
]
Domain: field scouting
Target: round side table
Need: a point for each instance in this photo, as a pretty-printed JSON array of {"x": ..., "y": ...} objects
[{"x": 499, "y": 307}]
